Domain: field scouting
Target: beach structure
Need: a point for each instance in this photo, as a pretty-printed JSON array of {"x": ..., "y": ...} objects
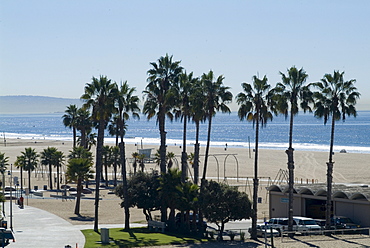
[{"x": 352, "y": 201}]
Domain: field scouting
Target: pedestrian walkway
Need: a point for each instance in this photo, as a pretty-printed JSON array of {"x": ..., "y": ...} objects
[{"x": 34, "y": 227}]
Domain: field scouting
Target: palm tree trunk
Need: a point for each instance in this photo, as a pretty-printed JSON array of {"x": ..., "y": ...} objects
[
  {"x": 184, "y": 156},
  {"x": 162, "y": 152},
  {"x": 50, "y": 177},
  {"x": 290, "y": 153},
  {"x": 58, "y": 186},
  {"x": 329, "y": 176},
  {"x": 21, "y": 180},
  {"x": 78, "y": 198},
  {"x": 83, "y": 138},
  {"x": 98, "y": 165},
  {"x": 124, "y": 182},
  {"x": 196, "y": 154},
  {"x": 29, "y": 179},
  {"x": 162, "y": 149},
  {"x": 106, "y": 174},
  {"x": 207, "y": 147},
  {"x": 255, "y": 183},
  {"x": 74, "y": 136}
]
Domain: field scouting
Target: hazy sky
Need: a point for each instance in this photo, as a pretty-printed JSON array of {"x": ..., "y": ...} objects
[{"x": 53, "y": 48}]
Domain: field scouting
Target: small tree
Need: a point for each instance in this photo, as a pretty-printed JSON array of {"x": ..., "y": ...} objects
[
  {"x": 142, "y": 193},
  {"x": 77, "y": 170},
  {"x": 221, "y": 203}
]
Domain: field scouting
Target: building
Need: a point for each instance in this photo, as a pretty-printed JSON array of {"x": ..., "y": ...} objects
[{"x": 310, "y": 199}]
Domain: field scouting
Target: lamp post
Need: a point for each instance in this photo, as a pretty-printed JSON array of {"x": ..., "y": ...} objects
[{"x": 11, "y": 197}]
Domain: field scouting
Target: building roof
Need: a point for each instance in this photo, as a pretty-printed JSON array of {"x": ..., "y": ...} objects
[{"x": 351, "y": 192}]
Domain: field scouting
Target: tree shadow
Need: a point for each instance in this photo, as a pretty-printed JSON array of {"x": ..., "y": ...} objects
[{"x": 82, "y": 218}]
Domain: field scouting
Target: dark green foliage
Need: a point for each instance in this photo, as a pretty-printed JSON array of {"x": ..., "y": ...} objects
[
  {"x": 142, "y": 190},
  {"x": 221, "y": 203}
]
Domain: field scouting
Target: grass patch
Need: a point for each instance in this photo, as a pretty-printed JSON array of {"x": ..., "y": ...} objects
[{"x": 136, "y": 237}]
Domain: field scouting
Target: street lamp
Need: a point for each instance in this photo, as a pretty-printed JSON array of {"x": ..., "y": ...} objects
[{"x": 11, "y": 196}]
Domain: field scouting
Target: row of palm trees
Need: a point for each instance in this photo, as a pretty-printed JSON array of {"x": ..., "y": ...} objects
[
  {"x": 172, "y": 93},
  {"x": 78, "y": 166}
]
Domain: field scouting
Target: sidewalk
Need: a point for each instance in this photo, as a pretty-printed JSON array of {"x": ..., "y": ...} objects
[{"x": 34, "y": 227}]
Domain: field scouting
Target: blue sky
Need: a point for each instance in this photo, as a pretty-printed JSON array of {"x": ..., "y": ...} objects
[{"x": 53, "y": 48}]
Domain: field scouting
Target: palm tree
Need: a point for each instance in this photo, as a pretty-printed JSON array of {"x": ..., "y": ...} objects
[
  {"x": 84, "y": 125},
  {"x": 292, "y": 93},
  {"x": 107, "y": 162},
  {"x": 169, "y": 192},
  {"x": 80, "y": 152},
  {"x": 77, "y": 170},
  {"x": 215, "y": 99},
  {"x": 336, "y": 98},
  {"x": 141, "y": 158},
  {"x": 47, "y": 158},
  {"x": 170, "y": 156},
  {"x": 198, "y": 115},
  {"x": 159, "y": 102},
  {"x": 69, "y": 120},
  {"x": 99, "y": 95},
  {"x": 19, "y": 163},
  {"x": 58, "y": 162},
  {"x": 183, "y": 91},
  {"x": 126, "y": 103},
  {"x": 115, "y": 156},
  {"x": 29, "y": 160},
  {"x": 135, "y": 155},
  {"x": 255, "y": 107}
]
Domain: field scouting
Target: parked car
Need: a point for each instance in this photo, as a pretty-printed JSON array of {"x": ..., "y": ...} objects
[
  {"x": 342, "y": 222},
  {"x": 267, "y": 230}
]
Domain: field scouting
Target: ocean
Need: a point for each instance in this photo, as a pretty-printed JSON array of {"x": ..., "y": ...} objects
[{"x": 309, "y": 133}]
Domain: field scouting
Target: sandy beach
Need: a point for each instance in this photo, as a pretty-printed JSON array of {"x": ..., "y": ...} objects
[{"x": 232, "y": 165}]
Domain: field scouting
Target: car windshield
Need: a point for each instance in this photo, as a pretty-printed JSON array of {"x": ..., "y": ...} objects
[
  {"x": 309, "y": 222},
  {"x": 344, "y": 220}
]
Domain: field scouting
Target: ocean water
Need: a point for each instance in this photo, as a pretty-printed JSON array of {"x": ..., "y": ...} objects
[{"x": 309, "y": 132}]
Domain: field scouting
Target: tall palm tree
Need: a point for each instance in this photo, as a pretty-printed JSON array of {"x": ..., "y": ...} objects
[
  {"x": 255, "y": 106},
  {"x": 182, "y": 91},
  {"x": 107, "y": 162},
  {"x": 77, "y": 170},
  {"x": 116, "y": 160},
  {"x": 198, "y": 115},
  {"x": 292, "y": 94},
  {"x": 84, "y": 125},
  {"x": 99, "y": 95},
  {"x": 58, "y": 162},
  {"x": 159, "y": 102},
  {"x": 336, "y": 98},
  {"x": 161, "y": 78},
  {"x": 30, "y": 159},
  {"x": 69, "y": 120},
  {"x": 126, "y": 102},
  {"x": 215, "y": 99},
  {"x": 47, "y": 159},
  {"x": 19, "y": 163}
]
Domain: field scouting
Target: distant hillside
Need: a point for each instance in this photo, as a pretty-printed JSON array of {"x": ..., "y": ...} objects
[{"x": 35, "y": 104}]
